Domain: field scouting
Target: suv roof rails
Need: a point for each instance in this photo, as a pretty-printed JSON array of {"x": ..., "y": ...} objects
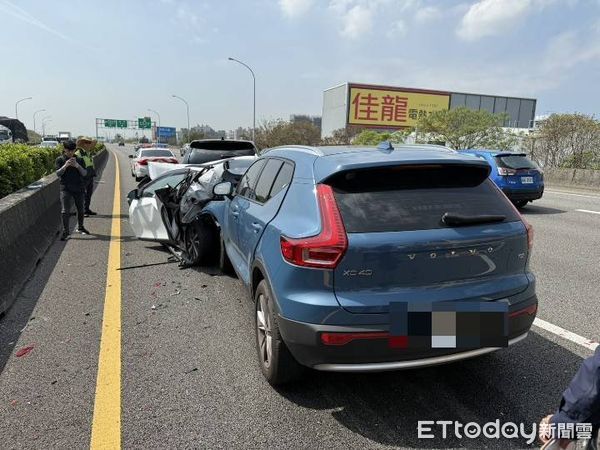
[{"x": 297, "y": 147}]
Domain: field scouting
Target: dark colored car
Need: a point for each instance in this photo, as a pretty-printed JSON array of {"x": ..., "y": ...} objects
[
  {"x": 351, "y": 254},
  {"x": 121, "y": 144},
  {"x": 208, "y": 150},
  {"x": 521, "y": 180}
]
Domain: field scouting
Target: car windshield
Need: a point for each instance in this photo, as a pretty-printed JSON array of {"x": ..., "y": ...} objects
[
  {"x": 152, "y": 153},
  {"x": 515, "y": 162},
  {"x": 49, "y": 144}
]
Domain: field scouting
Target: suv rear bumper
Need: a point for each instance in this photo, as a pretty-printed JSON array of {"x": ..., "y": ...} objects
[
  {"x": 523, "y": 194},
  {"x": 413, "y": 364},
  {"x": 372, "y": 355}
]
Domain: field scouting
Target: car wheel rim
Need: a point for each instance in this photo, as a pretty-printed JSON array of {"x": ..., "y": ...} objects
[
  {"x": 263, "y": 330},
  {"x": 192, "y": 244}
]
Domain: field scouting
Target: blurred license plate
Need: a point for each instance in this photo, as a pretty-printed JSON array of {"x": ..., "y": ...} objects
[{"x": 527, "y": 180}]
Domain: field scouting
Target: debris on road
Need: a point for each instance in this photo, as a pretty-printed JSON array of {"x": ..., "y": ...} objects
[
  {"x": 24, "y": 351},
  {"x": 177, "y": 292},
  {"x": 190, "y": 371}
]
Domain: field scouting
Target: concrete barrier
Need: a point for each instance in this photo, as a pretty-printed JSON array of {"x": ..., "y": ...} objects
[
  {"x": 29, "y": 223},
  {"x": 578, "y": 178}
]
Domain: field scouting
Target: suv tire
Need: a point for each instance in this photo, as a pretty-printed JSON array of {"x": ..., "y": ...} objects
[
  {"x": 198, "y": 242},
  {"x": 521, "y": 203},
  {"x": 225, "y": 265},
  {"x": 276, "y": 362}
]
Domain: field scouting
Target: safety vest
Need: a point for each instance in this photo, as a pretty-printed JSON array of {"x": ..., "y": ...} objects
[{"x": 87, "y": 159}]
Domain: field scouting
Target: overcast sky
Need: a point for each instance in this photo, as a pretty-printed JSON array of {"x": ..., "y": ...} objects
[{"x": 115, "y": 59}]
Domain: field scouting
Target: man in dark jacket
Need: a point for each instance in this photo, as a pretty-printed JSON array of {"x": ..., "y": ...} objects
[
  {"x": 84, "y": 147},
  {"x": 580, "y": 402},
  {"x": 71, "y": 172}
]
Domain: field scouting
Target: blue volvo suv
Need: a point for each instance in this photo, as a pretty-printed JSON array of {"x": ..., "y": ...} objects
[
  {"x": 515, "y": 174},
  {"x": 348, "y": 252}
]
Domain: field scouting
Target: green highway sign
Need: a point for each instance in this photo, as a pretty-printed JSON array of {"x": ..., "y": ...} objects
[
  {"x": 144, "y": 122},
  {"x": 110, "y": 123},
  {"x": 121, "y": 124}
]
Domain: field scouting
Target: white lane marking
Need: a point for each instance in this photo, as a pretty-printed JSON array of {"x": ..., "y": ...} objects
[
  {"x": 565, "y": 334},
  {"x": 588, "y": 211},
  {"x": 570, "y": 193}
]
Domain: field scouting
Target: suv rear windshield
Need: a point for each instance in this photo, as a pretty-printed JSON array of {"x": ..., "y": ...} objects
[
  {"x": 223, "y": 145},
  {"x": 408, "y": 198},
  {"x": 515, "y": 162},
  {"x": 152, "y": 153},
  {"x": 202, "y": 156}
]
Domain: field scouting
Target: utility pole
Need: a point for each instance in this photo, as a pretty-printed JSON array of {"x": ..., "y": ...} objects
[
  {"x": 34, "y": 114},
  {"x": 47, "y": 119},
  {"x": 157, "y": 129}
]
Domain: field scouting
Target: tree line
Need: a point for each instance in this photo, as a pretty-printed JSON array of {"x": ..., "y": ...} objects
[{"x": 560, "y": 140}]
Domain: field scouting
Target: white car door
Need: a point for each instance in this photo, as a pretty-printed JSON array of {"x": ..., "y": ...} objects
[{"x": 144, "y": 211}]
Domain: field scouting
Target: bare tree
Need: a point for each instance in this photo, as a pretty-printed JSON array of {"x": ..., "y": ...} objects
[{"x": 567, "y": 140}]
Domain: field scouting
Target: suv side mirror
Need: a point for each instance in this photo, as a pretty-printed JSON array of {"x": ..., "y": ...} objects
[
  {"x": 224, "y": 188},
  {"x": 133, "y": 195}
]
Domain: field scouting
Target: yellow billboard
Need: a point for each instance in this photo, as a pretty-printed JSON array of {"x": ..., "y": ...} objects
[{"x": 386, "y": 107}]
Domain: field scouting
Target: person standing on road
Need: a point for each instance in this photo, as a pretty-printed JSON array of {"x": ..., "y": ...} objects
[
  {"x": 71, "y": 172},
  {"x": 84, "y": 147},
  {"x": 580, "y": 404}
]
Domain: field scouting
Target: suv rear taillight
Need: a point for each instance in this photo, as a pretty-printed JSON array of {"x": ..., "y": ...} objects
[
  {"x": 528, "y": 227},
  {"x": 143, "y": 162},
  {"x": 326, "y": 249},
  {"x": 529, "y": 233},
  {"x": 503, "y": 171}
]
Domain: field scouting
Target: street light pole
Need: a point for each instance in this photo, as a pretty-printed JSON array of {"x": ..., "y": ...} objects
[
  {"x": 47, "y": 119},
  {"x": 157, "y": 132},
  {"x": 254, "y": 94},
  {"x": 187, "y": 106},
  {"x": 17, "y": 106},
  {"x": 34, "y": 114}
]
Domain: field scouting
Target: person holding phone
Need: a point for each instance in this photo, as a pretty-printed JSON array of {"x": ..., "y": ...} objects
[
  {"x": 580, "y": 404},
  {"x": 71, "y": 172}
]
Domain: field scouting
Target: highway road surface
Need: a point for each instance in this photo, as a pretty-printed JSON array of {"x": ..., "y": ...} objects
[{"x": 174, "y": 364}]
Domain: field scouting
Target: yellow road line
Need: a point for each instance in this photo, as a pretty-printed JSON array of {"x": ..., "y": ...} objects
[{"x": 106, "y": 424}]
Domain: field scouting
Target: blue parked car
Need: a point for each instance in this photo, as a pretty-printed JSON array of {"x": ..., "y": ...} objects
[
  {"x": 347, "y": 250},
  {"x": 519, "y": 178}
]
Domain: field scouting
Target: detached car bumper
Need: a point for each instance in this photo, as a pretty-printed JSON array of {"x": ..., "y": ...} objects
[
  {"x": 523, "y": 194},
  {"x": 374, "y": 355}
]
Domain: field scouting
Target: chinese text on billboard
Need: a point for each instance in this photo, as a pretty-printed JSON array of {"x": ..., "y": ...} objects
[{"x": 385, "y": 107}]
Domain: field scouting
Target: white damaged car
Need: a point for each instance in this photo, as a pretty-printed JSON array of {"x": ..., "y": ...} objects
[{"x": 168, "y": 209}]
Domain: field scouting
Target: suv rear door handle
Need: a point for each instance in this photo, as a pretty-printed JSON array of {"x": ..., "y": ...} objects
[
  {"x": 257, "y": 226},
  {"x": 235, "y": 211}
]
